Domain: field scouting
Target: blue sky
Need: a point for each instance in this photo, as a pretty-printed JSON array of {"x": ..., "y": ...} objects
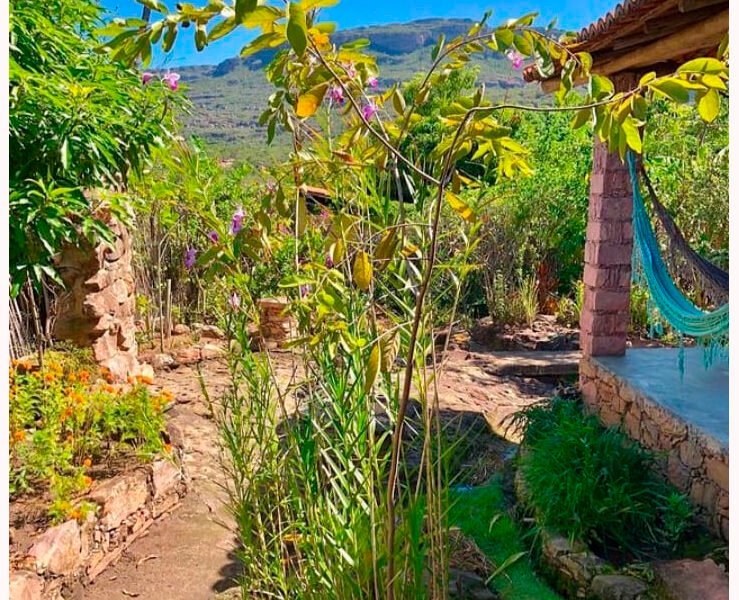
[{"x": 571, "y": 14}]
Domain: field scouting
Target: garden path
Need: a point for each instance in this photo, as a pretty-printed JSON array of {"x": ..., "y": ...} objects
[{"x": 191, "y": 554}]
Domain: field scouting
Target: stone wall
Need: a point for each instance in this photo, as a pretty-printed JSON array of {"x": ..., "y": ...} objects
[
  {"x": 97, "y": 308},
  {"x": 695, "y": 463},
  {"x": 275, "y": 327},
  {"x": 65, "y": 557}
]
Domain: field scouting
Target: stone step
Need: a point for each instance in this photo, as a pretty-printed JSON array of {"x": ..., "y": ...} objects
[
  {"x": 691, "y": 580},
  {"x": 528, "y": 364}
]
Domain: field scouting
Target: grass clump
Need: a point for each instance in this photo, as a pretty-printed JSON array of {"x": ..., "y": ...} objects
[
  {"x": 597, "y": 485},
  {"x": 480, "y": 513}
]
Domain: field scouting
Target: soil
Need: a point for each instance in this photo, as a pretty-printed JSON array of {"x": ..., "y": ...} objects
[{"x": 192, "y": 555}]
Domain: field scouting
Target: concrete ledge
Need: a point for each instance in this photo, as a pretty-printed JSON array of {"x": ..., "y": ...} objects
[{"x": 685, "y": 419}]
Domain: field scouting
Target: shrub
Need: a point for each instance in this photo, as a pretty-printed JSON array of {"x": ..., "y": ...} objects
[
  {"x": 65, "y": 419},
  {"x": 596, "y": 484}
]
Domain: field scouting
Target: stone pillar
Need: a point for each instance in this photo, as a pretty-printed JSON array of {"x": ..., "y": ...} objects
[
  {"x": 604, "y": 319},
  {"x": 98, "y": 306}
]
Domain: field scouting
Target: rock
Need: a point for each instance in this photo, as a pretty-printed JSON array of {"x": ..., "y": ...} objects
[
  {"x": 470, "y": 586},
  {"x": 208, "y": 331},
  {"x": 163, "y": 361},
  {"x": 181, "y": 329},
  {"x": 165, "y": 477},
  {"x": 209, "y": 351},
  {"x": 120, "y": 497},
  {"x": 188, "y": 356},
  {"x": 25, "y": 585},
  {"x": 233, "y": 593},
  {"x": 146, "y": 372},
  {"x": 58, "y": 550},
  {"x": 691, "y": 580},
  {"x": 618, "y": 587}
]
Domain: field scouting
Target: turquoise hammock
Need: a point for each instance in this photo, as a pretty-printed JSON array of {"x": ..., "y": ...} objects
[{"x": 709, "y": 328}]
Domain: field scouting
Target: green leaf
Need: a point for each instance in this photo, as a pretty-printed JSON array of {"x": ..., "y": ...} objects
[
  {"x": 504, "y": 38},
  {"x": 709, "y": 106},
  {"x": 297, "y": 32},
  {"x": 373, "y": 367},
  {"x": 631, "y": 135},
  {"x": 223, "y": 28},
  {"x": 672, "y": 88},
  {"x": 711, "y": 66},
  {"x": 169, "y": 38},
  {"x": 639, "y": 107},
  {"x": 523, "y": 45},
  {"x": 459, "y": 206},
  {"x": 398, "y": 102},
  {"x": 582, "y": 117},
  {"x": 600, "y": 87},
  {"x": 243, "y": 8},
  {"x": 266, "y": 40},
  {"x": 362, "y": 271},
  {"x": 385, "y": 249},
  {"x": 301, "y": 217},
  {"x": 309, "y": 102},
  {"x": 155, "y": 5},
  {"x": 438, "y": 47}
]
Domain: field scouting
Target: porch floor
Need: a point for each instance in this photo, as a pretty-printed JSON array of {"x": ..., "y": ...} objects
[{"x": 700, "y": 397}]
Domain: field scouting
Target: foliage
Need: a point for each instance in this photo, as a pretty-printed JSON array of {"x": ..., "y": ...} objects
[
  {"x": 66, "y": 421},
  {"x": 596, "y": 484},
  {"x": 481, "y": 514},
  {"x": 78, "y": 121}
]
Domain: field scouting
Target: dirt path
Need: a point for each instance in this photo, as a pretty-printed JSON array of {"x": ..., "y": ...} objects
[{"x": 191, "y": 555}]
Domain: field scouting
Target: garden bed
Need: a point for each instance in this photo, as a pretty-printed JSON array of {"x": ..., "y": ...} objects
[
  {"x": 605, "y": 526},
  {"x": 91, "y": 468}
]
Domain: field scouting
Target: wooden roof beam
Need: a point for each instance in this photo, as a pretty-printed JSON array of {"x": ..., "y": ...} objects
[{"x": 701, "y": 35}]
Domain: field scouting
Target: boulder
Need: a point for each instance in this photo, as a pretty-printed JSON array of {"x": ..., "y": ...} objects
[
  {"x": 691, "y": 580},
  {"x": 618, "y": 587},
  {"x": 181, "y": 329},
  {"x": 25, "y": 585},
  {"x": 165, "y": 477},
  {"x": 58, "y": 550},
  {"x": 120, "y": 497},
  {"x": 163, "y": 361}
]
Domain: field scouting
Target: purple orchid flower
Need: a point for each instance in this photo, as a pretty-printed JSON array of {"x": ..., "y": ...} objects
[
  {"x": 171, "y": 80},
  {"x": 372, "y": 82},
  {"x": 351, "y": 72},
  {"x": 336, "y": 94},
  {"x": 237, "y": 221},
  {"x": 516, "y": 58},
  {"x": 190, "y": 257},
  {"x": 369, "y": 111},
  {"x": 213, "y": 237},
  {"x": 234, "y": 301},
  {"x": 146, "y": 77},
  {"x": 329, "y": 262},
  {"x": 304, "y": 290}
]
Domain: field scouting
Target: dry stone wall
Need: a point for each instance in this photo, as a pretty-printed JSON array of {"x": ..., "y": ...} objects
[
  {"x": 692, "y": 461},
  {"x": 97, "y": 308},
  {"x": 67, "y": 556}
]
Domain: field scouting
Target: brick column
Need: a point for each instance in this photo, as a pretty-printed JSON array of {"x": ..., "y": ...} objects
[{"x": 604, "y": 319}]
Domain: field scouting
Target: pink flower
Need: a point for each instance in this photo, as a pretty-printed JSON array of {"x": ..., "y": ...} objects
[
  {"x": 146, "y": 77},
  {"x": 190, "y": 257},
  {"x": 372, "y": 82},
  {"x": 237, "y": 221},
  {"x": 369, "y": 111},
  {"x": 213, "y": 237},
  {"x": 516, "y": 58},
  {"x": 329, "y": 262},
  {"x": 351, "y": 72},
  {"x": 234, "y": 301},
  {"x": 271, "y": 187},
  {"x": 336, "y": 94},
  {"x": 171, "y": 80}
]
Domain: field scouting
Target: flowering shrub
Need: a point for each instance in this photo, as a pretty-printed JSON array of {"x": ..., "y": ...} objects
[{"x": 66, "y": 419}]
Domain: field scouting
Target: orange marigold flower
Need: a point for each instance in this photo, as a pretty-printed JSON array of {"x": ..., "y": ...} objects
[
  {"x": 66, "y": 413},
  {"x": 69, "y": 439},
  {"x": 87, "y": 463},
  {"x": 84, "y": 375},
  {"x": 88, "y": 480},
  {"x": 168, "y": 448},
  {"x": 109, "y": 388},
  {"x": 72, "y": 378},
  {"x": 49, "y": 377},
  {"x": 19, "y": 435},
  {"x": 76, "y": 514},
  {"x": 131, "y": 379}
]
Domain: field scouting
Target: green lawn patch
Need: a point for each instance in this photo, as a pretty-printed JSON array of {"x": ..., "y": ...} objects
[{"x": 473, "y": 511}]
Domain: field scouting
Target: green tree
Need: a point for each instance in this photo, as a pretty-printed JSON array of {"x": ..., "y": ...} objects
[{"x": 78, "y": 121}]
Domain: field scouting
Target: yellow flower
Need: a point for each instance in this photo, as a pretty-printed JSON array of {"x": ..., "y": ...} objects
[
  {"x": 320, "y": 39},
  {"x": 87, "y": 463}
]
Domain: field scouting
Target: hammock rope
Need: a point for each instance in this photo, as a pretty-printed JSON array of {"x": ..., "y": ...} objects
[
  {"x": 710, "y": 328},
  {"x": 713, "y": 280}
]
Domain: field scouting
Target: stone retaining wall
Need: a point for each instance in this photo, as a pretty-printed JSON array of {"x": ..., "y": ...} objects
[
  {"x": 695, "y": 463},
  {"x": 275, "y": 327},
  {"x": 66, "y": 557}
]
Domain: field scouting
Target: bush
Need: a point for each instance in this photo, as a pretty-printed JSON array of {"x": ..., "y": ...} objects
[
  {"x": 596, "y": 484},
  {"x": 66, "y": 419}
]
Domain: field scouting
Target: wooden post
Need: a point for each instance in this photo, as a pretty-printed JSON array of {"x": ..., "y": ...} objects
[{"x": 604, "y": 319}]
